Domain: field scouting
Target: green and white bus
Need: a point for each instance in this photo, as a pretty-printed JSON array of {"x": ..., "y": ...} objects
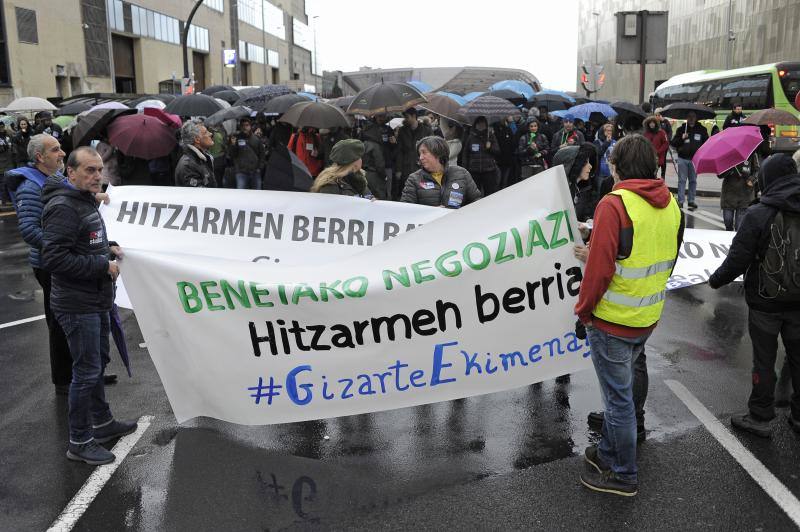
[{"x": 755, "y": 88}]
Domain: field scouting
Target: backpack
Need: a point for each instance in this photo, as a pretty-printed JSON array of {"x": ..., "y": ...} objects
[{"x": 779, "y": 269}]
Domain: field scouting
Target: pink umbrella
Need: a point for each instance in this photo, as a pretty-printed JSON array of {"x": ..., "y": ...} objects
[
  {"x": 142, "y": 136},
  {"x": 168, "y": 118},
  {"x": 726, "y": 149}
]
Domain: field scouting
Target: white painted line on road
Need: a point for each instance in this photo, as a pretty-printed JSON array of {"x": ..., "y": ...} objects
[
  {"x": 91, "y": 488},
  {"x": 712, "y": 214},
  {"x": 774, "y": 488},
  {"x": 20, "y": 322},
  {"x": 701, "y": 216}
]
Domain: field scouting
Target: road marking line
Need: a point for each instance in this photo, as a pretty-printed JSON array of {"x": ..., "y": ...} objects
[
  {"x": 699, "y": 215},
  {"x": 20, "y": 322},
  {"x": 91, "y": 488},
  {"x": 712, "y": 214},
  {"x": 768, "y": 482},
  {"x": 10, "y": 213}
]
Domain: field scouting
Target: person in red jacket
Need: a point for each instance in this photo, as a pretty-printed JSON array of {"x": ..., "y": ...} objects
[
  {"x": 307, "y": 145},
  {"x": 658, "y": 138}
]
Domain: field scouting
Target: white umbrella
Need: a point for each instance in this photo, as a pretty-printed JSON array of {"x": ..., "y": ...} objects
[
  {"x": 110, "y": 105},
  {"x": 394, "y": 123},
  {"x": 30, "y": 104},
  {"x": 158, "y": 104}
]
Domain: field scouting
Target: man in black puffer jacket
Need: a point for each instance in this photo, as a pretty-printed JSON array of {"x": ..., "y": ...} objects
[
  {"x": 77, "y": 253},
  {"x": 780, "y": 182}
]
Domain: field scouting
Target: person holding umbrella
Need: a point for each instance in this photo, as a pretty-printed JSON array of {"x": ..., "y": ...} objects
[
  {"x": 195, "y": 167},
  {"x": 479, "y": 156},
  {"x": 345, "y": 176},
  {"x": 687, "y": 140},
  {"x": 374, "y": 164},
  {"x": 408, "y": 135},
  {"x": 20, "y": 142},
  {"x": 247, "y": 153},
  {"x": 307, "y": 146}
]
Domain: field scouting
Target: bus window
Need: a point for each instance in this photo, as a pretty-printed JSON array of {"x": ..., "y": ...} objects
[
  {"x": 790, "y": 80},
  {"x": 752, "y": 92}
]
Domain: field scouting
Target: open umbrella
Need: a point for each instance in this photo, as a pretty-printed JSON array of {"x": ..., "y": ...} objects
[
  {"x": 457, "y": 97},
  {"x": 142, "y": 136},
  {"x": 444, "y": 106},
  {"x": 514, "y": 97},
  {"x": 343, "y": 102},
  {"x": 73, "y": 108},
  {"x": 228, "y": 96},
  {"x": 774, "y": 117},
  {"x": 257, "y": 97},
  {"x": 93, "y": 123},
  {"x": 173, "y": 121},
  {"x": 382, "y": 98},
  {"x": 118, "y": 334},
  {"x": 493, "y": 108},
  {"x": 627, "y": 109},
  {"x": 680, "y": 111},
  {"x": 153, "y": 103},
  {"x": 214, "y": 89},
  {"x": 421, "y": 86},
  {"x": 308, "y": 96},
  {"x": 315, "y": 114},
  {"x": 472, "y": 95},
  {"x": 726, "y": 149},
  {"x": 584, "y": 111},
  {"x": 552, "y": 101},
  {"x": 235, "y": 112},
  {"x": 193, "y": 105},
  {"x": 63, "y": 120},
  {"x": 280, "y": 104},
  {"x": 109, "y": 105},
  {"x": 515, "y": 85},
  {"x": 29, "y": 104}
]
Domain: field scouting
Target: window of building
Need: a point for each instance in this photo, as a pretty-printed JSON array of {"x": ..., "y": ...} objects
[
  {"x": 116, "y": 20},
  {"x": 273, "y": 58},
  {"x": 242, "y": 51},
  {"x": 198, "y": 38},
  {"x": 26, "y": 25},
  {"x": 154, "y": 25},
  {"x": 273, "y": 21},
  {"x": 216, "y": 5},
  {"x": 255, "y": 53},
  {"x": 251, "y": 12}
]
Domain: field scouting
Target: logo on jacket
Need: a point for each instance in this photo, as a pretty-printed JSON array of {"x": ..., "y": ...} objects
[{"x": 96, "y": 237}]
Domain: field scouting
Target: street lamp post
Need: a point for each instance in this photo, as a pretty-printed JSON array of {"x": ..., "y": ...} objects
[
  {"x": 316, "y": 66},
  {"x": 596, "y": 46}
]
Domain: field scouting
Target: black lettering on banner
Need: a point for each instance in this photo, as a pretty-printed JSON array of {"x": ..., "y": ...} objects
[
  {"x": 719, "y": 250},
  {"x": 191, "y": 219},
  {"x": 143, "y": 217},
  {"x": 124, "y": 211},
  {"x": 171, "y": 222},
  {"x": 299, "y": 229},
  {"x": 210, "y": 218},
  {"x": 157, "y": 207},
  {"x": 336, "y": 231},
  {"x": 229, "y": 227},
  {"x": 390, "y": 229},
  {"x": 693, "y": 250}
]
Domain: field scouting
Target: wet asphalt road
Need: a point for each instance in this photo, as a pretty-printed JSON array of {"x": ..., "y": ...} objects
[{"x": 503, "y": 461}]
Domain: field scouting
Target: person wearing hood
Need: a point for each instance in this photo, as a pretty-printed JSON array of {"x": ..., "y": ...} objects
[
  {"x": 195, "y": 167},
  {"x": 657, "y": 137},
  {"x": 82, "y": 261},
  {"x": 586, "y": 185},
  {"x": 737, "y": 193},
  {"x": 374, "y": 164},
  {"x": 45, "y": 125},
  {"x": 532, "y": 150},
  {"x": 567, "y": 135},
  {"x": 771, "y": 290},
  {"x": 436, "y": 183},
  {"x": 20, "y": 142},
  {"x": 480, "y": 152},
  {"x": 638, "y": 229},
  {"x": 345, "y": 176}
]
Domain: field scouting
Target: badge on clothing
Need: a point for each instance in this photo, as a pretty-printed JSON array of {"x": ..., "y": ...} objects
[
  {"x": 242, "y": 143},
  {"x": 476, "y": 147},
  {"x": 455, "y": 199},
  {"x": 427, "y": 185}
]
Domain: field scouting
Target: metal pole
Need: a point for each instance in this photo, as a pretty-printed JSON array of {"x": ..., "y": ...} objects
[
  {"x": 316, "y": 67},
  {"x": 110, "y": 52},
  {"x": 728, "y": 36},
  {"x": 596, "y": 45},
  {"x": 185, "y": 37},
  {"x": 642, "y": 52}
]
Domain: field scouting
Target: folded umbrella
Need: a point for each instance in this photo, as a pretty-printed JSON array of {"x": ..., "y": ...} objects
[
  {"x": 384, "y": 98},
  {"x": 93, "y": 124},
  {"x": 444, "y": 106},
  {"x": 680, "y": 110},
  {"x": 118, "y": 334},
  {"x": 142, "y": 136},
  {"x": 193, "y": 105},
  {"x": 774, "y": 117},
  {"x": 280, "y": 104},
  {"x": 726, "y": 149},
  {"x": 493, "y": 108},
  {"x": 235, "y": 112},
  {"x": 318, "y": 115}
]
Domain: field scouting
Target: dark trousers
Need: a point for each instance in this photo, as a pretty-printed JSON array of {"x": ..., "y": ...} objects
[
  {"x": 764, "y": 330},
  {"x": 663, "y": 168},
  {"x": 487, "y": 181},
  {"x": 640, "y": 383},
  {"x": 60, "y": 359}
]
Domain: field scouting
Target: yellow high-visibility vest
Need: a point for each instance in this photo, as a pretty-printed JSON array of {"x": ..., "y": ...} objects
[{"x": 635, "y": 297}]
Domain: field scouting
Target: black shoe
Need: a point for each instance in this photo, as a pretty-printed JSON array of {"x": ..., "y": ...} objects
[
  {"x": 113, "y": 429},
  {"x": 595, "y": 421},
  {"x": 90, "y": 452},
  {"x": 62, "y": 389},
  {"x": 110, "y": 378},
  {"x": 793, "y": 423},
  {"x": 607, "y": 482},
  {"x": 692, "y": 206},
  {"x": 592, "y": 458},
  {"x": 752, "y": 425}
]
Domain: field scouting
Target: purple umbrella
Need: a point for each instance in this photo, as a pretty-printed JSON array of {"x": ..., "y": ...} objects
[
  {"x": 726, "y": 149},
  {"x": 119, "y": 338}
]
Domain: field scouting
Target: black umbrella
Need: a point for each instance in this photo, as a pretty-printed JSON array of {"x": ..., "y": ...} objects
[
  {"x": 627, "y": 111},
  {"x": 257, "y": 97},
  {"x": 318, "y": 115},
  {"x": 231, "y": 113},
  {"x": 93, "y": 123},
  {"x": 342, "y": 103},
  {"x": 193, "y": 105},
  {"x": 492, "y": 107},
  {"x": 553, "y": 102},
  {"x": 285, "y": 171},
  {"x": 443, "y": 106},
  {"x": 383, "y": 98},
  {"x": 213, "y": 89},
  {"x": 680, "y": 110},
  {"x": 228, "y": 96},
  {"x": 280, "y": 104},
  {"x": 74, "y": 108},
  {"x": 507, "y": 94}
]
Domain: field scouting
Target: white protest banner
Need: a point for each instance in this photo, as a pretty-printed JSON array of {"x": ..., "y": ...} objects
[
  {"x": 479, "y": 301},
  {"x": 702, "y": 252}
]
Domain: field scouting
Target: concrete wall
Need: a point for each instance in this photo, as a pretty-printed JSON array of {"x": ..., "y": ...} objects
[{"x": 766, "y": 31}]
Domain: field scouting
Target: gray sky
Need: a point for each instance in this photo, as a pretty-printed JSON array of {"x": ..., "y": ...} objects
[{"x": 539, "y": 36}]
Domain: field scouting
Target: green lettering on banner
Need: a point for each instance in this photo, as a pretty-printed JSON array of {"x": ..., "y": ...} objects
[
  {"x": 257, "y": 292},
  {"x": 187, "y": 298},
  {"x": 556, "y": 242},
  {"x": 241, "y": 294},
  {"x": 210, "y": 296},
  {"x": 401, "y": 277},
  {"x": 535, "y": 237},
  {"x": 417, "y": 268},
  {"x": 485, "y": 260},
  {"x": 441, "y": 267}
]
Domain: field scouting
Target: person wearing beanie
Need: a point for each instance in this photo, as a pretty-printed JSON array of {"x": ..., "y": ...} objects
[
  {"x": 566, "y": 136},
  {"x": 774, "y": 304},
  {"x": 344, "y": 176}
]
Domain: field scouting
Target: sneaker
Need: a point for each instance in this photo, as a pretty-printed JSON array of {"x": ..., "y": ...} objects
[
  {"x": 607, "y": 482},
  {"x": 692, "y": 206},
  {"x": 795, "y": 424},
  {"x": 750, "y": 424},
  {"x": 113, "y": 429},
  {"x": 110, "y": 378},
  {"x": 595, "y": 421},
  {"x": 90, "y": 452},
  {"x": 592, "y": 458}
]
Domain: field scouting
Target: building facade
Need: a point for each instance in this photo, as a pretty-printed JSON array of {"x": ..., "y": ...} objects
[
  {"x": 68, "y": 47},
  {"x": 702, "y": 35}
]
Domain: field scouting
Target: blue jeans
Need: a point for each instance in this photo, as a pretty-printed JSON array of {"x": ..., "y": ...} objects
[
  {"x": 251, "y": 180},
  {"x": 87, "y": 336},
  {"x": 733, "y": 218},
  {"x": 614, "y": 358},
  {"x": 686, "y": 171}
]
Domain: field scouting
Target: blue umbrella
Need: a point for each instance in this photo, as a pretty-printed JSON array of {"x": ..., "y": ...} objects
[
  {"x": 517, "y": 86},
  {"x": 421, "y": 86},
  {"x": 585, "y": 110},
  {"x": 458, "y": 98},
  {"x": 560, "y": 114},
  {"x": 556, "y": 93},
  {"x": 472, "y": 95},
  {"x": 312, "y": 97}
]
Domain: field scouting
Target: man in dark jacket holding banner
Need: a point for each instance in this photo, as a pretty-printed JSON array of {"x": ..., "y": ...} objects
[
  {"x": 771, "y": 288},
  {"x": 77, "y": 253}
]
